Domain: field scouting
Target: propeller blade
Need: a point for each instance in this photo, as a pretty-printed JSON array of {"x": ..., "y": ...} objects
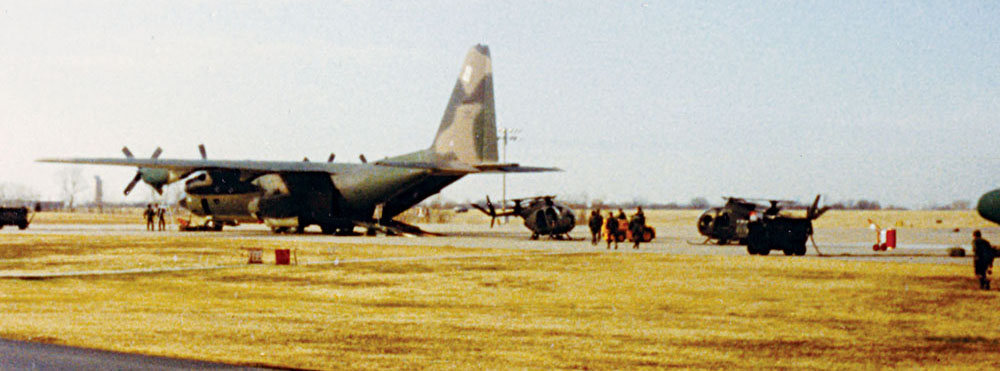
[
  {"x": 156, "y": 153},
  {"x": 480, "y": 208},
  {"x": 204, "y": 155},
  {"x": 330, "y": 159},
  {"x": 363, "y": 160},
  {"x": 159, "y": 189},
  {"x": 127, "y": 152},
  {"x": 135, "y": 180}
]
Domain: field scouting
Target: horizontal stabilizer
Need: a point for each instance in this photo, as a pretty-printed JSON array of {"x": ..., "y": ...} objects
[
  {"x": 437, "y": 167},
  {"x": 512, "y": 168},
  {"x": 456, "y": 167}
]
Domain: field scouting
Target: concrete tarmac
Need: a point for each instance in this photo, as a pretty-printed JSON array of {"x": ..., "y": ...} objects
[
  {"x": 915, "y": 246},
  {"x": 21, "y": 355}
]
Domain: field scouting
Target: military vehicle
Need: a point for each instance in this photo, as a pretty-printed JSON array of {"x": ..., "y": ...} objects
[
  {"x": 774, "y": 231},
  {"x": 542, "y": 216},
  {"x": 340, "y": 196},
  {"x": 989, "y": 206},
  {"x": 14, "y": 216},
  {"x": 728, "y": 223}
]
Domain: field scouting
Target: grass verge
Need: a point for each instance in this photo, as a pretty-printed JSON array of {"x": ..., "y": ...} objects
[{"x": 602, "y": 310}]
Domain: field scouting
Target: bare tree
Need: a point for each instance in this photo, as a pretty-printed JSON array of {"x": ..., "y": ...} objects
[
  {"x": 18, "y": 193},
  {"x": 72, "y": 183},
  {"x": 699, "y": 203}
]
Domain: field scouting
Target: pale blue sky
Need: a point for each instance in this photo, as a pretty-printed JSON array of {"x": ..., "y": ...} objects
[{"x": 657, "y": 101}]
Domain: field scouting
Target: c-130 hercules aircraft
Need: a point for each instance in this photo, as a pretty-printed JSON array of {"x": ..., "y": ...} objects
[{"x": 339, "y": 196}]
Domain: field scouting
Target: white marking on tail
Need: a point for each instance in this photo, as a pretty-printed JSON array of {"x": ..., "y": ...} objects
[{"x": 467, "y": 74}]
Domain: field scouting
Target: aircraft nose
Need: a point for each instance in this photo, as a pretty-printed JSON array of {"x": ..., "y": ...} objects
[{"x": 989, "y": 206}]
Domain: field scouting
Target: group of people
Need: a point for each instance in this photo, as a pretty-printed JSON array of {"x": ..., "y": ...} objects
[
  {"x": 612, "y": 227},
  {"x": 155, "y": 213}
]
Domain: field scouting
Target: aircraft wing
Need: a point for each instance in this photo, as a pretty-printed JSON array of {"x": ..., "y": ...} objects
[{"x": 187, "y": 166}]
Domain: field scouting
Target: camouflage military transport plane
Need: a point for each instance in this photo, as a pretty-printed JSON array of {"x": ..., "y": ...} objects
[
  {"x": 339, "y": 196},
  {"x": 989, "y": 206}
]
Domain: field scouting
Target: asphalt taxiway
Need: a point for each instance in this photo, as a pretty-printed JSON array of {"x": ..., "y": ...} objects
[
  {"x": 22, "y": 355},
  {"x": 915, "y": 246}
]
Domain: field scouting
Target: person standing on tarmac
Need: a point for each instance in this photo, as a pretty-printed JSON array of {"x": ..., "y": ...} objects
[
  {"x": 596, "y": 222},
  {"x": 637, "y": 225},
  {"x": 148, "y": 214},
  {"x": 161, "y": 216},
  {"x": 982, "y": 259},
  {"x": 611, "y": 227}
]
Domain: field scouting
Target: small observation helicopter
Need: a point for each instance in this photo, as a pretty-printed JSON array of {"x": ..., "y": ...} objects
[{"x": 542, "y": 216}]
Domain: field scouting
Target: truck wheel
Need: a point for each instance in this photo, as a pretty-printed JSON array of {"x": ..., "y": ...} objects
[
  {"x": 801, "y": 250},
  {"x": 754, "y": 247},
  {"x": 22, "y": 226},
  {"x": 764, "y": 251},
  {"x": 789, "y": 251}
]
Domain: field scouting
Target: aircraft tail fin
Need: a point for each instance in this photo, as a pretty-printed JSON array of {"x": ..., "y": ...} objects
[{"x": 468, "y": 131}]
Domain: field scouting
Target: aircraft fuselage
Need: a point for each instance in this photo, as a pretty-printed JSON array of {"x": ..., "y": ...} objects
[{"x": 333, "y": 201}]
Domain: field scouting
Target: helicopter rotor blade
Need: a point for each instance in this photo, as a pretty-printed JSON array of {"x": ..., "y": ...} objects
[
  {"x": 127, "y": 152},
  {"x": 201, "y": 149},
  {"x": 811, "y": 211},
  {"x": 156, "y": 153},
  {"x": 815, "y": 211},
  {"x": 493, "y": 211}
]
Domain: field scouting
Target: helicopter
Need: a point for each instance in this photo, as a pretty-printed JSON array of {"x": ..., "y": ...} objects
[
  {"x": 542, "y": 216},
  {"x": 727, "y": 223},
  {"x": 731, "y": 223}
]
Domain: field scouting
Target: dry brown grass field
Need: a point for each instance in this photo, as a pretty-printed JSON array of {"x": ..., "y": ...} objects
[{"x": 588, "y": 311}]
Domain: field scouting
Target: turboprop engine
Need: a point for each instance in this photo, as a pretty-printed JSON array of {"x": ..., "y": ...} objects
[
  {"x": 221, "y": 194},
  {"x": 156, "y": 178}
]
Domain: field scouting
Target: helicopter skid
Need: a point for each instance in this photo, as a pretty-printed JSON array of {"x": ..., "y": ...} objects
[{"x": 709, "y": 243}]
